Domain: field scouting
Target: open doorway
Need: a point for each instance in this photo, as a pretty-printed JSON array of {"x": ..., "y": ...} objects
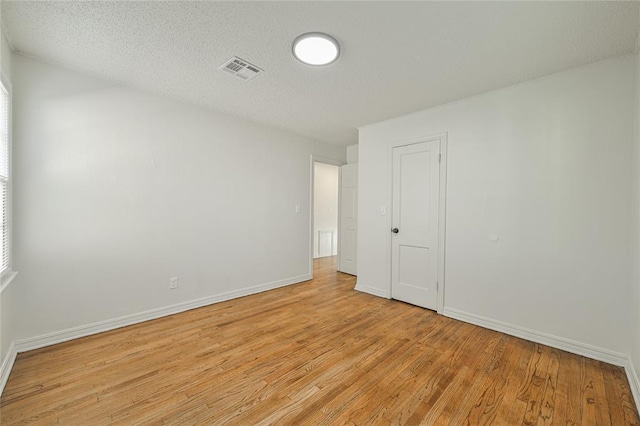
[{"x": 326, "y": 184}]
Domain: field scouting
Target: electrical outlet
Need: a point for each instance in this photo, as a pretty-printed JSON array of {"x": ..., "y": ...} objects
[{"x": 173, "y": 283}]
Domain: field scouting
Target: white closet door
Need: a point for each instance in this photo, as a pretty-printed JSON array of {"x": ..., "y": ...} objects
[{"x": 348, "y": 234}]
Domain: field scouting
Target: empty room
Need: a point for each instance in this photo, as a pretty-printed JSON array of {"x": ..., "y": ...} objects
[{"x": 319, "y": 212}]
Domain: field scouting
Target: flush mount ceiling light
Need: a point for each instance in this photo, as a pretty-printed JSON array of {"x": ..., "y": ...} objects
[{"x": 316, "y": 49}]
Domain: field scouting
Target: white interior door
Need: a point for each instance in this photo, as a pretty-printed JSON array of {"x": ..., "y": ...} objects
[
  {"x": 348, "y": 234},
  {"x": 416, "y": 187}
]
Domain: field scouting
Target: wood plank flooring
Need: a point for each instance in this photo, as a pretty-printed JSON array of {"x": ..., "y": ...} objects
[{"x": 312, "y": 354}]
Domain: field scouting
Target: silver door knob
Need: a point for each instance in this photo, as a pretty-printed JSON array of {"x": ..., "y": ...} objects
[{"x": 395, "y": 230}]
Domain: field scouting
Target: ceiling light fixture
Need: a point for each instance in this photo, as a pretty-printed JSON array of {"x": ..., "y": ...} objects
[{"x": 316, "y": 49}]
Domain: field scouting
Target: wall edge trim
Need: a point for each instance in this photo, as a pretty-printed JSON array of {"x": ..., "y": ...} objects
[
  {"x": 371, "y": 290},
  {"x": 634, "y": 381},
  {"x": 7, "y": 366},
  {"x": 36, "y": 342},
  {"x": 575, "y": 347}
]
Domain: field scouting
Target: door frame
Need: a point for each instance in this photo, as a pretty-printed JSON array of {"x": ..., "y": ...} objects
[
  {"x": 331, "y": 161},
  {"x": 442, "y": 208}
]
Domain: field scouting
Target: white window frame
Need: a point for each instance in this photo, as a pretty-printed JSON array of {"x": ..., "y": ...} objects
[{"x": 8, "y": 274}]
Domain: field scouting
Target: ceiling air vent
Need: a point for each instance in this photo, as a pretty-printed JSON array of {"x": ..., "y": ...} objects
[{"x": 240, "y": 68}]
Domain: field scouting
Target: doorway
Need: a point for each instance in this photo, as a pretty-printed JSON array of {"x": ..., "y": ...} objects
[{"x": 326, "y": 189}]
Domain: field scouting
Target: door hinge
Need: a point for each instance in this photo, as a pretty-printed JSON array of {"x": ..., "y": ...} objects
[{"x": 439, "y": 158}]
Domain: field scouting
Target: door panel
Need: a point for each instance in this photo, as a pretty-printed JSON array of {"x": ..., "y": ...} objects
[
  {"x": 413, "y": 266},
  {"x": 348, "y": 234},
  {"x": 416, "y": 185},
  {"x": 325, "y": 243}
]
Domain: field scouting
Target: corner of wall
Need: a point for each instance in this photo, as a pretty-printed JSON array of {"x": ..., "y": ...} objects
[
  {"x": 5, "y": 55},
  {"x": 637, "y": 46},
  {"x": 7, "y": 366},
  {"x": 7, "y": 346},
  {"x": 352, "y": 154},
  {"x": 371, "y": 290},
  {"x": 330, "y": 151},
  {"x": 634, "y": 382},
  {"x": 633, "y": 365}
]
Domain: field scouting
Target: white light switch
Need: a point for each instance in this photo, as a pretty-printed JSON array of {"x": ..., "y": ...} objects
[
  {"x": 493, "y": 238},
  {"x": 297, "y": 208},
  {"x": 383, "y": 210}
]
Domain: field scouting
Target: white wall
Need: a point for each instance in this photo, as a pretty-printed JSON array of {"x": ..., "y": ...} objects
[
  {"x": 6, "y": 296},
  {"x": 117, "y": 190},
  {"x": 325, "y": 204},
  {"x": 634, "y": 300},
  {"x": 5, "y": 56},
  {"x": 546, "y": 165},
  {"x": 352, "y": 154}
]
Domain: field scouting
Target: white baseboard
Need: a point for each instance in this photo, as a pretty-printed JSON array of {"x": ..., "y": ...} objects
[
  {"x": 578, "y": 348},
  {"x": 111, "y": 324},
  {"x": 7, "y": 365},
  {"x": 572, "y": 346},
  {"x": 371, "y": 290},
  {"x": 634, "y": 381}
]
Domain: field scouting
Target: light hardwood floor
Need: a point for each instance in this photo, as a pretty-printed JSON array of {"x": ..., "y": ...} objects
[{"x": 314, "y": 353}]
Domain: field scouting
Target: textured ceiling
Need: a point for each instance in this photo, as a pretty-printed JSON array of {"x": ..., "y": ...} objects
[{"x": 397, "y": 57}]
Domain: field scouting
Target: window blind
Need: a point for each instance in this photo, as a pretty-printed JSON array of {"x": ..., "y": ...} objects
[{"x": 4, "y": 175}]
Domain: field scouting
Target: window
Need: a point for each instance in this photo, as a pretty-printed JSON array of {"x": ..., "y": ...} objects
[{"x": 5, "y": 113}]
